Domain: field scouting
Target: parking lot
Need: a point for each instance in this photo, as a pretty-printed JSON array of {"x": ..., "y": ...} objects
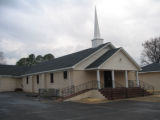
[{"x": 18, "y": 106}]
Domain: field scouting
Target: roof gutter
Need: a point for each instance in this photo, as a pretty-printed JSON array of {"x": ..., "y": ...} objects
[
  {"x": 148, "y": 72},
  {"x": 91, "y": 69},
  {"x": 10, "y": 76},
  {"x": 47, "y": 71}
]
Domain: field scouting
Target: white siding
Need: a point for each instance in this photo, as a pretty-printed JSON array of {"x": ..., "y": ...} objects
[{"x": 119, "y": 61}]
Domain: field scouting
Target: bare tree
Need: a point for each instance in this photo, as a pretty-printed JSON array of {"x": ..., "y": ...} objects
[
  {"x": 2, "y": 59},
  {"x": 151, "y": 51}
]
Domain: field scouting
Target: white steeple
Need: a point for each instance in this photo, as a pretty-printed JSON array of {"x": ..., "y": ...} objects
[
  {"x": 97, "y": 40},
  {"x": 96, "y": 26}
]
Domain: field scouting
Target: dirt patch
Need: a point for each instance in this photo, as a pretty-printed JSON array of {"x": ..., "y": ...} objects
[
  {"x": 152, "y": 98},
  {"x": 92, "y": 100}
]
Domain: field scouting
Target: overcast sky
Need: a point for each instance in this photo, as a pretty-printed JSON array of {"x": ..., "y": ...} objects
[{"x": 65, "y": 26}]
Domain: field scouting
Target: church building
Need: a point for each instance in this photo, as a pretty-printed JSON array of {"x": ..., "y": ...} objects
[{"x": 103, "y": 66}]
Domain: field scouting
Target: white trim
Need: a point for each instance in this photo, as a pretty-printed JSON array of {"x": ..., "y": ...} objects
[
  {"x": 92, "y": 69},
  {"x": 149, "y": 72},
  {"x": 10, "y": 76},
  {"x": 108, "y": 69},
  {"x": 46, "y": 71},
  {"x": 94, "y": 53}
]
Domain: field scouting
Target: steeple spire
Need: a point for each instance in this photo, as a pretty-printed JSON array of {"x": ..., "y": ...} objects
[
  {"x": 96, "y": 26},
  {"x": 97, "y": 40}
]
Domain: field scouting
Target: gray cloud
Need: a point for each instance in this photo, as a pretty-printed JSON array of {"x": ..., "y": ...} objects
[{"x": 64, "y": 26}]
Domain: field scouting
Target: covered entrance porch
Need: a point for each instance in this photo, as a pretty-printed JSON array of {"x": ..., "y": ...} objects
[
  {"x": 119, "y": 84},
  {"x": 115, "y": 78},
  {"x": 114, "y": 69}
]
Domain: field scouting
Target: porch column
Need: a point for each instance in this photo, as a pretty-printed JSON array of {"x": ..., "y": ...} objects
[
  {"x": 98, "y": 79},
  {"x": 126, "y": 78},
  {"x": 137, "y": 78},
  {"x": 32, "y": 83},
  {"x": 69, "y": 76},
  {"x": 42, "y": 80},
  {"x": 113, "y": 79}
]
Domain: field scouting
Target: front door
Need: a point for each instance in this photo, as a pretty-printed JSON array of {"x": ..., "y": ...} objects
[{"x": 107, "y": 79}]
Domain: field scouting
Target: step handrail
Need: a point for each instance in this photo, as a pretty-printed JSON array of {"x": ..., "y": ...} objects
[
  {"x": 146, "y": 86},
  {"x": 142, "y": 84},
  {"x": 70, "y": 90},
  {"x": 92, "y": 84}
]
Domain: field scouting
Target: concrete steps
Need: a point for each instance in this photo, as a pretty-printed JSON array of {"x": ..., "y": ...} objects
[{"x": 122, "y": 92}]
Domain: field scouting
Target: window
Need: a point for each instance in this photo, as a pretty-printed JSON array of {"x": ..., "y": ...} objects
[
  {"x": 37, "y": 79},
  {"x": 27, "y": 80},
  {"x": 65, "y": 74},
  {"x": 52, "y": 78}
]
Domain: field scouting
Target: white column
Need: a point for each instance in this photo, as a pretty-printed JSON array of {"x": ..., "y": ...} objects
[
  {"x": 42, "y": 80},
  {"x": 126, "y": 78},
  {"x": 32, "y": 83},
  {"x": 113, "y": 79},
  {"x": 137, "y": 78},
  {"x": 69, "y": 75},
  {"x": 98, "y": 79},
  {"x": 45, "y": 81}
]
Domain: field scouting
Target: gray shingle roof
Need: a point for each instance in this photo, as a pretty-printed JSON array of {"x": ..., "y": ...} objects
[
  {"x": 151, "y": 68},
  {"x": 58, "y": 63},
  {"x": 12, "y": 70},
  {"x": 102, "y": 59}
]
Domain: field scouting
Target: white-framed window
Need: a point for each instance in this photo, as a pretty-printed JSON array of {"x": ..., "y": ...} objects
[
  {"x": 27, "y": 80},
  {"x": 37, "y": 79},
  {"x": 65, "y": 74},
  {"x": 51, "y": 77}
]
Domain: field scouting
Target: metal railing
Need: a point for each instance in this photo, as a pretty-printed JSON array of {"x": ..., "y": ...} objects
[
  {"x": 142, "y": 84},
  {"x": 50, "y": 92},
  {"x": 68, "y": 91},
  {"x": 132, "y": 83},
  {"x": 118, "y": 84},
  {"x": 71, "y": 90}
]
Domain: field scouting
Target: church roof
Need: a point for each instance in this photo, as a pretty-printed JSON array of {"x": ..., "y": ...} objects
[
  {"x": 154, "y": 67},
  {"x": 12, "y": 70},
  {"x": 63, "y": 62},
  {"x": 102, "y": 59}
]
